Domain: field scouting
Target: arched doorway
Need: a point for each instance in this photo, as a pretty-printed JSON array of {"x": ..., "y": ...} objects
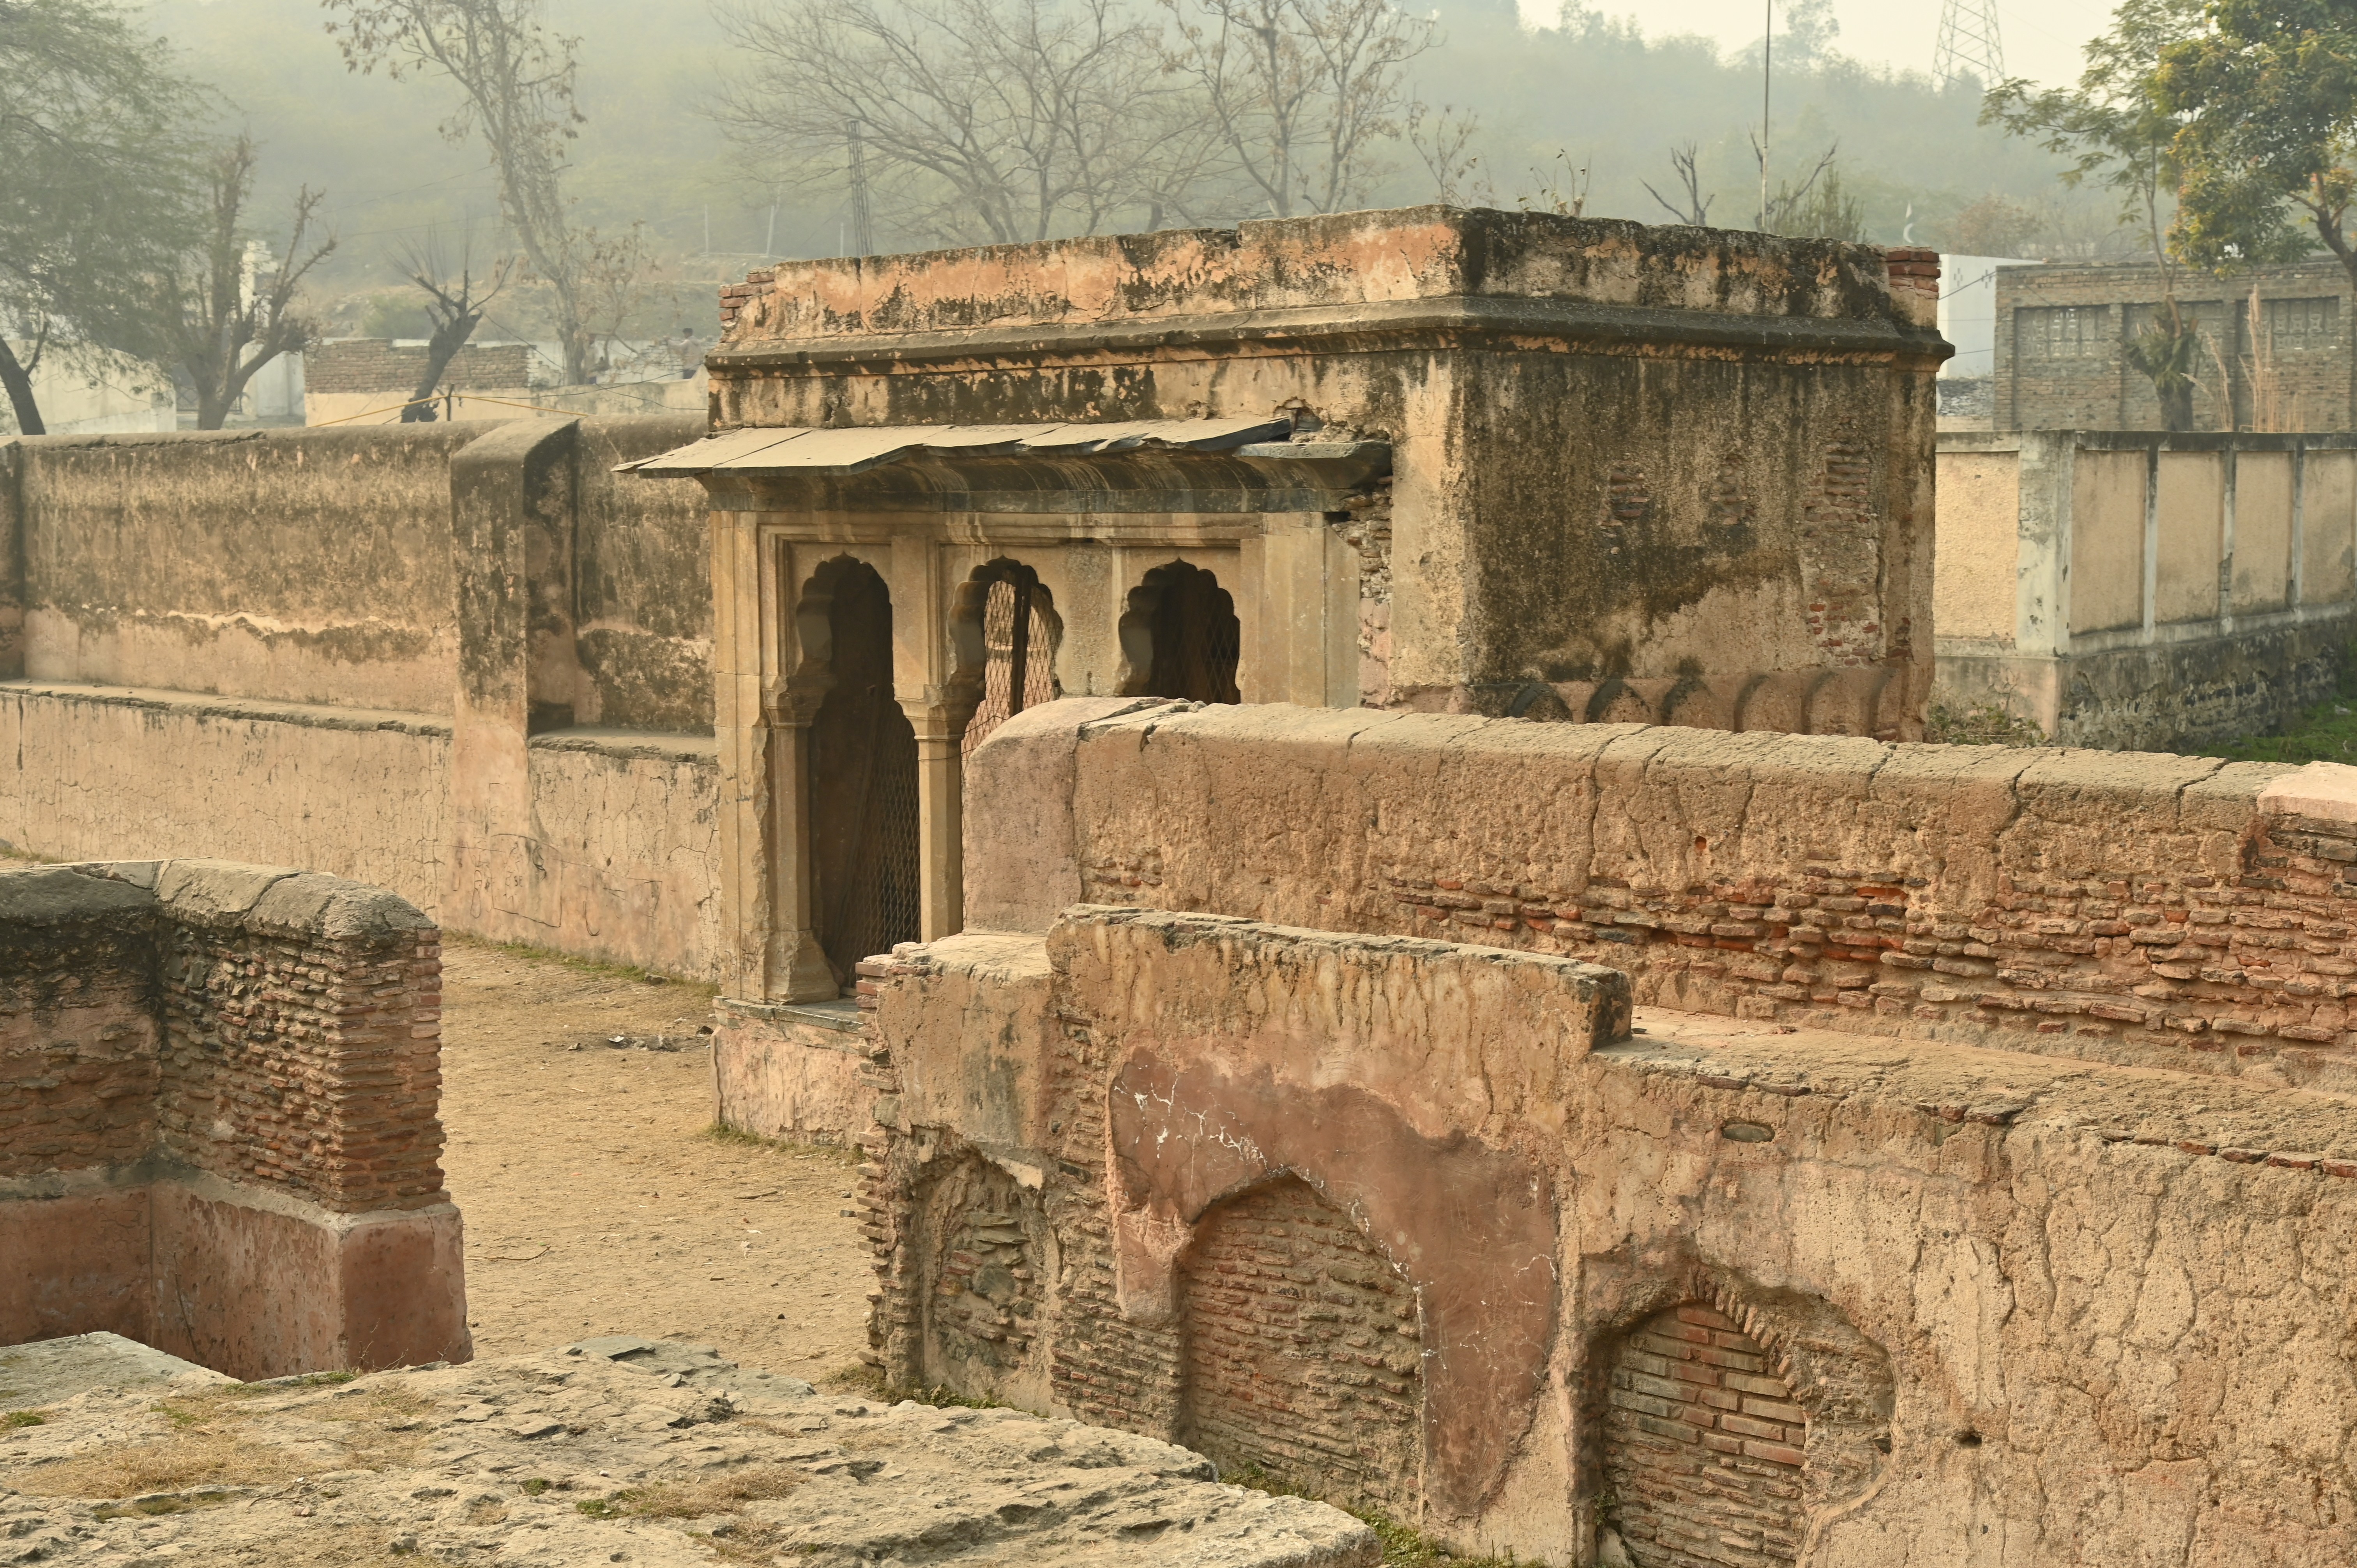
[
  {"x": 1181, "y": 636},
  {"x": 1006, "y": 636},
  {"x": 863, "y": 776}
]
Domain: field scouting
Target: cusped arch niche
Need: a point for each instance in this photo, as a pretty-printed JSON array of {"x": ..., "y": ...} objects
[
  {"x": 1302, "y": 1350},
  {"x": 1726, "y": 1423},
  {"x": 1003, "y": 633},
  {"x": 1181, "y": 636}
]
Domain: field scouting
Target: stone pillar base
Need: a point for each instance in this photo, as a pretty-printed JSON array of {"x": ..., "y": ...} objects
[{"x": 244, "y": 1280}]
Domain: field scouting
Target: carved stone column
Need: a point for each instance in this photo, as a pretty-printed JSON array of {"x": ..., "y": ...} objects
[{"x": 941, "y": 814}]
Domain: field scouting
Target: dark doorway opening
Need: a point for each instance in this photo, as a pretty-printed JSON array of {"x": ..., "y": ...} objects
[{"x": 863, "y": 769}]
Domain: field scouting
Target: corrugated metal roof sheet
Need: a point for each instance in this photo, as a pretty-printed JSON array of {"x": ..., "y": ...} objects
[{"x": 805, "y": 451}]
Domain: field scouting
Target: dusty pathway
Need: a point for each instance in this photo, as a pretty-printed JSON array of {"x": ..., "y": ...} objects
[{"x": 596, "y": 1200}]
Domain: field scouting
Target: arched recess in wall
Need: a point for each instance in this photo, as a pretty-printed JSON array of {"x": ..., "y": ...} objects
[
  {"x": 983, "y": 1250},
  {"x": 1725, "y": 1424},
  {"x": 1003, "y": 630},
  {"x": 1180, "y": 638},
  {"x": 862, "y": 770},
  {"x": 1303, "y": 1350}
]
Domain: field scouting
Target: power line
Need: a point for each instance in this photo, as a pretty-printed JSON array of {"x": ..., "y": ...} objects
[{"x": 1968, "y": 44}]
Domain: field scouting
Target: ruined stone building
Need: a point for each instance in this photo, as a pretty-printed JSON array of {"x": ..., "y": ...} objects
[
  {"x": 1431, "y": 460},
  {"x": 1718, "y": 1129}
]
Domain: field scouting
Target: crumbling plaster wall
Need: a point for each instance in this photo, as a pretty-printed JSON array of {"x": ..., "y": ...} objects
[
  {"x": 1620, "y": 453},
  {"x": 472, "y": 667},
  {"x": 218, "y": 1086},
  {"x": 2032, "y": 1310}
]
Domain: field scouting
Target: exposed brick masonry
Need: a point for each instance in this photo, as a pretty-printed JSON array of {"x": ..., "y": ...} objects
[
  {"x": 1703, "y": 1446},
  {"x": 1302, "y": 1350},
  {"x": 261, "y": 1049},
  {"x": 305, "y": 1062},
  {"x": 77, "y": 1030},
  {"x": 2034, "y": 900}
]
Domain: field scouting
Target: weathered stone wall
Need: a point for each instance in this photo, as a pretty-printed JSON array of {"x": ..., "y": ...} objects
[
  {"x": 1732, "y": 1292},
  {"x": 299, "y": 565},
  {"x": 2160, "y": 910},
  {"x": 2131, "y": 589},
  {"x": 220, "y": 1107},
  {"x": 347, "y": 646}
]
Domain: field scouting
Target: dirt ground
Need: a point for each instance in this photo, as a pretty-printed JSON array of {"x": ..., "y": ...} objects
[{"x": 597, "y": 1199}]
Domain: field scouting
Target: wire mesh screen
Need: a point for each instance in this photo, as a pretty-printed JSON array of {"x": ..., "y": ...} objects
[
  {"x": 1196, "y": 638},
  {"x": 864, "y": 852},
  {"x": 1018, "y": 672}
]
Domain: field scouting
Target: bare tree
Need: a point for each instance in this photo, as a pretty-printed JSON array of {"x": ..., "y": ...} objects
[
  {"x": 226, "y": 316},
  {"x": 1443, "y": 142},
  {"x": 455, "y": 306},
  {"x": 995, "y": 120},
  {"x": 515, "y": 81},
  {"x": 1694, "y": 207},
  {"x": 1791, "y": 201},
  {"x": 1302, "y": 91}
]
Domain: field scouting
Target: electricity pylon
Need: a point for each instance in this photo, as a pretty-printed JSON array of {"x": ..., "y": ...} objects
[{"x": 1968, "y": 43}]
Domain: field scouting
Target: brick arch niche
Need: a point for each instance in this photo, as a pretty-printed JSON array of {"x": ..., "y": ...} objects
[
  {"x": 1704, "y": 1446},
  {"x": 1303, "y": 1350}
]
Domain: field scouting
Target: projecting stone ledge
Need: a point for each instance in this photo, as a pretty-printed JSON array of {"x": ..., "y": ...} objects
[{"x": 620, "y": 1449}]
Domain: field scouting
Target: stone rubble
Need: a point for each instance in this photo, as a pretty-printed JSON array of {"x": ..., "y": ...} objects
[{"x": 622, "y": 1450}]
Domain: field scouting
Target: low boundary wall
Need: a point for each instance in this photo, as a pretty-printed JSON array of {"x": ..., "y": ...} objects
[
  {"x": 2126, "y": 589},
  {"x": 219, "y": 1128},
  {"x": 471, "y": 667}
]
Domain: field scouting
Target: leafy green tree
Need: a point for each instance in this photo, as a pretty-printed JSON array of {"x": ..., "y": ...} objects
[
  {"x": 97, "y": 202},
  {"x": 2267, "y": 96},
  {"x": 2119, "y": 132}
]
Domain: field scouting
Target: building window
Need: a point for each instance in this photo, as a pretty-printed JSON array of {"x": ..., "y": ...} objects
[
  {"x": 2064, "y": 332},
  {"x": 1016, "y": 645},
  {"x": 1181, "y": 632},
  {"x": 2300, "y": 323}
]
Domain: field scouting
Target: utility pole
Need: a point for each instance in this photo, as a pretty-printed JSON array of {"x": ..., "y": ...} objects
[
  {"x": 1766, "y": 86},
  {"x": 1968, "y": 44},
  {"x": 863, "y": 236}
]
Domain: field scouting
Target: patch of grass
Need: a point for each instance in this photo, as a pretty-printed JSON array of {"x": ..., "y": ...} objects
[
  {"x": 188, "y": 1458},
  {"x": 1404, "y": 1546},
  {"x": 1982, "y": 723},
  {"x": 24, "y": 1418},
  {"x": 2325, "y": 733},
  {"x": 534, "y": 1485},
  {"x": 601, "y": 968}
]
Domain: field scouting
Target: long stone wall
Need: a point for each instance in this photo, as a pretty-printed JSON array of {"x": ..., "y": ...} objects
[
  {"x": 2167, "y": 911},
  {"x": 2131, "y": 589},
  {"x": 471, "y": 666},
  {"x": 218, "y": 1133}
]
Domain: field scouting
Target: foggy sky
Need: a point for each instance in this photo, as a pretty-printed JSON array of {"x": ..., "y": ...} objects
[{"x": 2041, "y": 40}]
